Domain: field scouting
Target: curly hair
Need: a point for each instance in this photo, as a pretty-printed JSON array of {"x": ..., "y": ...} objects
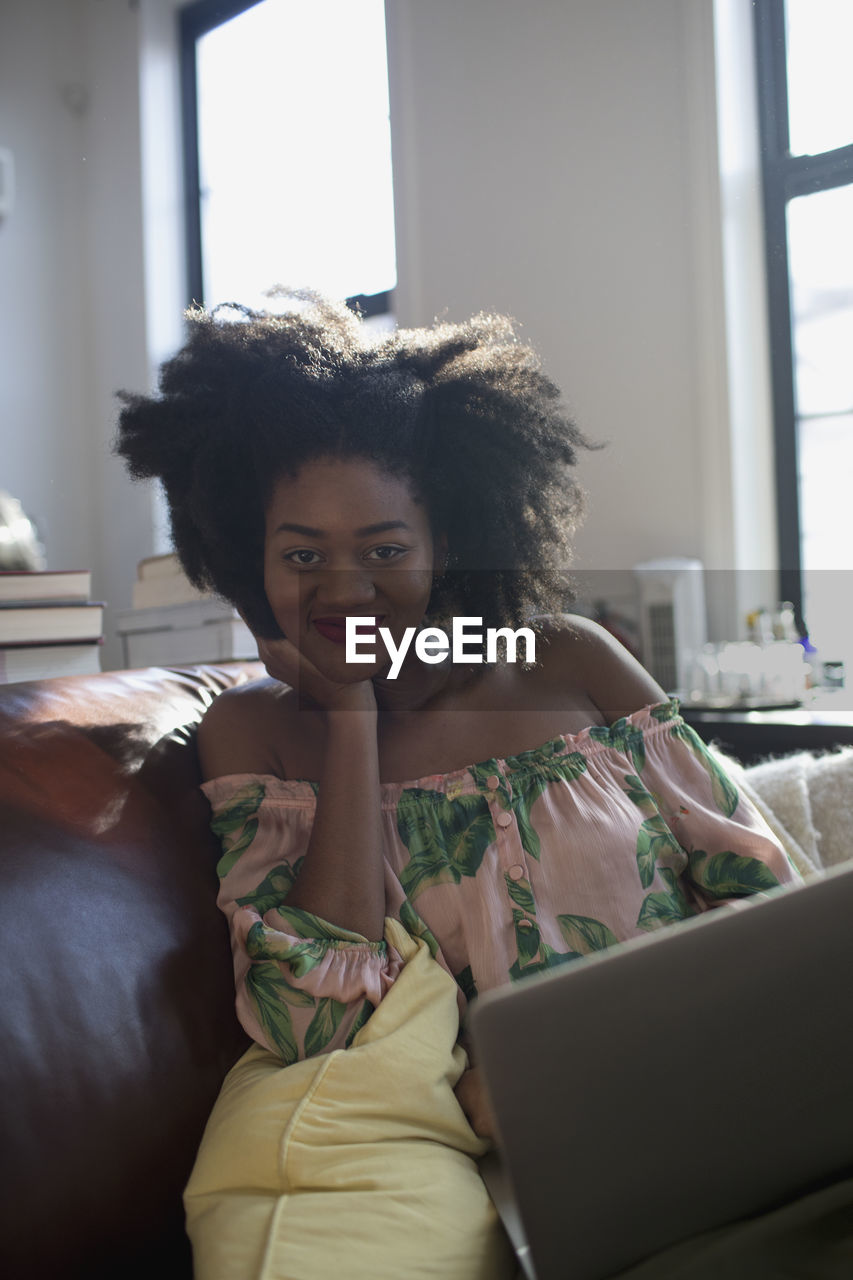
[{"x": 463, "y": 411}]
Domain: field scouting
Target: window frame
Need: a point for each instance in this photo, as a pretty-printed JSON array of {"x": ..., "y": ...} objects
[
  {"x": 194, "y": 21},
  {"x": 784, "y": 177}
]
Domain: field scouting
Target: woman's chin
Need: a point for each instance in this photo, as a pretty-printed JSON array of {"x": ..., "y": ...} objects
[{"x": 335, "y": 667}]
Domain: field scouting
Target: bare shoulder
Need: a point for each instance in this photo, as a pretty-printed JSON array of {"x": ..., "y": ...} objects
[
  {"x": 577, "y": 649},
  {"x": 240, "y": 729}
]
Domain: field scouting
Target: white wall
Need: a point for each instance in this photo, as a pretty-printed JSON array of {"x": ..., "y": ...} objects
[
  {"x": 72, "y": 320},
  {"x": 558, "y": 161},
  {"x": 555, "y": 159},
  {"x": 44, "y": 305}
]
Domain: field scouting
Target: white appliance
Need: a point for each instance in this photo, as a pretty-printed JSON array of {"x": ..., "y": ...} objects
[{"x": 673, "y": 619}]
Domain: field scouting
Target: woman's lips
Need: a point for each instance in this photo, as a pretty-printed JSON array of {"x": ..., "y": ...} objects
[{"x": 335, "y": 629}]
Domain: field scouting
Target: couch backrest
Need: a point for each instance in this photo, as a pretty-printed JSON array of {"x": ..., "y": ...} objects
[{"x": 116, "y": 990}]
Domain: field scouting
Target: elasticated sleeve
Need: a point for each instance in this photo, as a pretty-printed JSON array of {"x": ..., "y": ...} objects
[
  {"x": 304, "y": 985},
  {"x": 732, "y": 853}
]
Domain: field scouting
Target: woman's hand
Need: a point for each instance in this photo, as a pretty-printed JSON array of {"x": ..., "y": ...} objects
[
  {"x": 471, "y": 1096},
  {"x": 284, "y": 662}
]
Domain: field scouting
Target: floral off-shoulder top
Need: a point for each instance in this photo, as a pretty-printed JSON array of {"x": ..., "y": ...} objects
[{"x": 506, "y": 868}]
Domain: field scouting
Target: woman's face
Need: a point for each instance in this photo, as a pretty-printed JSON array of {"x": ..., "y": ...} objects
[{"x": 345, "y": 538}]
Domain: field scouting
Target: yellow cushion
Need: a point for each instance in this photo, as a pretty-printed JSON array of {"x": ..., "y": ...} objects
[{"x": 356, "y": 1163}]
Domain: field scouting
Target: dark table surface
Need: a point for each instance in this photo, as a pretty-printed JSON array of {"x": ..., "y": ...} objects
[{"x": 825, "y": 722}]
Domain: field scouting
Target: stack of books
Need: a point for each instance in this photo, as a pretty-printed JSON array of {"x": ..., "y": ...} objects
[
  {"x": 173, "y": 624},
  {"x": 48, "y": 625}
]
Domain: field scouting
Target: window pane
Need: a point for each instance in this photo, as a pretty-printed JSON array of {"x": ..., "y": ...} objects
[
  {"x": 821, "y": 264},
  {"x": 826, "y": 468},
  {"x": 820, "y": 238},
  {"x": 295, "y": 151},
  {"x": 820, "y": 80},
  {"x": 826, "y": 465}
]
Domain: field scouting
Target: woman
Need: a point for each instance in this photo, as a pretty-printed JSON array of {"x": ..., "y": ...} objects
[{"x": 515, "y": 814}]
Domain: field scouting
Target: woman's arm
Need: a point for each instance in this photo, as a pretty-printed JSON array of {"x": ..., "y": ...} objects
[
  {"x": 305, "y": 899},
  {"x": 342, "y": 876}
]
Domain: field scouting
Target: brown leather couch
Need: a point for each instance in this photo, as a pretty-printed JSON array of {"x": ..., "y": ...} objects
[{"x": 116, "y": 988}]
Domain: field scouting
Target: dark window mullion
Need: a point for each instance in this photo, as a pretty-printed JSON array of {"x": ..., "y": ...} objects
[
  {"x": 192, "y": 178},
  {"x": 370, "y": 304},
  {"x": 773, "y": 114},
  {"x": 784, "y": 403},
  {"x": 772, "y": 76},
  {"x": 202, "y": 16},
  {"x": 803, "y": 175}
]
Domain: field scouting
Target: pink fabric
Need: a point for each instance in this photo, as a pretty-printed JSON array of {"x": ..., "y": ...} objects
[{"x": 578, "y": 853}]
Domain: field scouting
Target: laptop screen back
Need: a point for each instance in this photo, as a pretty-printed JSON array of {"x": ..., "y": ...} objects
[{"x": 678, "y": 1082}]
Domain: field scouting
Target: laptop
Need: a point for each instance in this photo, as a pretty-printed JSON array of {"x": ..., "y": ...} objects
[{"x": 674, "y": 1084}]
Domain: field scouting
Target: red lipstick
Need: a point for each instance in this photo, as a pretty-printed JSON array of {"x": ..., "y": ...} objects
[{"x": 335, "y": 628}]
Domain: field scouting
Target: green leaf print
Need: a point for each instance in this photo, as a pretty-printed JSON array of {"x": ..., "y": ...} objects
[
  {"x": 665, "y": 906},
  {"x": 528, "y": 787},
  {"x": 465, "y": 980},
  {"x": 237, "y": 816},
  {"x": 324, "y": 1024},
  {"x": 673, "y": 881},
  {"x": 659, "y": 909},
  {"x": 654, "y": 840},
  {"x": 264, "y": 984},
  {"x": 244, "y": 802},
  {"x": 724, "y": 791},
  {"x": 624, "y": 737},
  {"x": 546, "y": 958},
  {"x": 585, "y": 935},
  {"x": 234, "y": 852},
  {"x": 537, "y": 756},
  {"x": 491, "y": 769},
  {"x": 600, "y": 733},
  {"x": 273, "y": 889},
  {"x": 552, "y": 959},
  {"x": 521, "y": 893},
  {"x": 364, "y": 1013},
  {"x": 305, "y": 956},
  {"x": 530, "y": 773},
  {"x": 446, "y": 839},
  {"x": 665, "y": 710},
  {"x": 730, "y": 875},
  {"x": 639, "y": 795},
  {"x": 526, "y": 938},
  {"x": 267, "y": 944},
  {"x": 416, "y": 928},
  {"x": 308, "y": 926},
  {"x": 526, "y": 790},
  {"x": 294, "y": 995}
]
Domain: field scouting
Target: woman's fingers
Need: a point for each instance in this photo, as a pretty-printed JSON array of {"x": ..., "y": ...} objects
[
  {"x": 281, "y": 658},
  {"x": 286, "y": 663}
]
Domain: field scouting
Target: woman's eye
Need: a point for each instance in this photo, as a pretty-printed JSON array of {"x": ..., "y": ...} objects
[
  {"x": 385, "y": 553},
  {"x": 302, "y": 556}
]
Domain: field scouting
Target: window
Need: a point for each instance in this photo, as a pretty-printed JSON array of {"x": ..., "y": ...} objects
[
  {"x": 804, "y": 50},
  {"x": 287, "y": 150}
]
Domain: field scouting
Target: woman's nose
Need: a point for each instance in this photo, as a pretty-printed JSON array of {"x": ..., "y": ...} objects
[{"x": 345, "y": 588}]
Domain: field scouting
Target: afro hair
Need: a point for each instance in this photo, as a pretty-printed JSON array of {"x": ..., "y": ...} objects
[{"x": 463, "y": 411}]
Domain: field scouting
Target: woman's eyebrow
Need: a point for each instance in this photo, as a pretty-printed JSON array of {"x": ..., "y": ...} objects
[
  {"x": 382, "y": 527},
  {"x": 304, "y": 529},
  {"x": 307, "y": 531}
]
